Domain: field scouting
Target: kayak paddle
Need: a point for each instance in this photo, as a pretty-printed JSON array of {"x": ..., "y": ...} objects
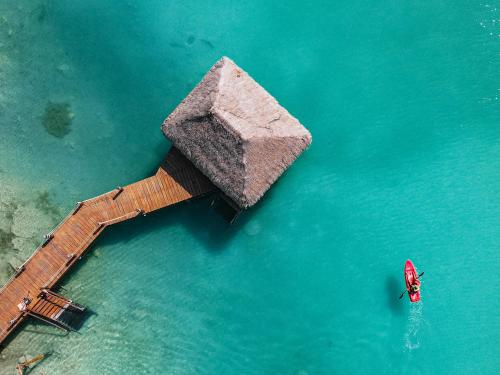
[{"x": 402, "y": 294}]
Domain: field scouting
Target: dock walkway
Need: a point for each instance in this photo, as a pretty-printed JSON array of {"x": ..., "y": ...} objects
[{"x": 176, "y": 180}]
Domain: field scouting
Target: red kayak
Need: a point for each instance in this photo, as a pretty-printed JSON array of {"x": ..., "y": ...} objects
[{"x": 411, "y": 278}]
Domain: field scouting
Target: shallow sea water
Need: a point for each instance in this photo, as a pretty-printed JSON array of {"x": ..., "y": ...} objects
[{"x": 402, "y": 101}]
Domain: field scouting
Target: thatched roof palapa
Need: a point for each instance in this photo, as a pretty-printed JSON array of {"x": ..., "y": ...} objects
[{"x": 236, "y": 133}]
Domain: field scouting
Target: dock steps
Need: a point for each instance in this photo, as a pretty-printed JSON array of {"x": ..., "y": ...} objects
[{"x": 57, "y": 310}]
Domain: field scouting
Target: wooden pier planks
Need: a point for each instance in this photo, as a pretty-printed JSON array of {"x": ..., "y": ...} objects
[{"x": 176, "y": 180}]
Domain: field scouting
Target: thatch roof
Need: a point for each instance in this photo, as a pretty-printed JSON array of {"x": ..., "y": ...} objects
[{"x": 236, "y": 133}]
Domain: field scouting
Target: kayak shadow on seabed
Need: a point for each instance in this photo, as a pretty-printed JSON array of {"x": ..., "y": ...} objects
[{"x": 393, "y": 289}]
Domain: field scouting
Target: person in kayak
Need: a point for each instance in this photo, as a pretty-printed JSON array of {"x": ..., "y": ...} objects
[{"x": 412, "y": 280}]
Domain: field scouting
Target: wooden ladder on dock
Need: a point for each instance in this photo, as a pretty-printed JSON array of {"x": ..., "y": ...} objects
[{"x": 57, "y": 310}]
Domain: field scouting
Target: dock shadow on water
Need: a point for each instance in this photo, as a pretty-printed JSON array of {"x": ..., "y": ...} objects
[
  {"x": 393, "y": 290},
  {"x": 196, "y": 216}
]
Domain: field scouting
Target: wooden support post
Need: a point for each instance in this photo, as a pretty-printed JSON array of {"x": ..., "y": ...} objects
[
  {"x": 20, "y": 270},
  {"x": 13, "y": 322},
  {"x": 120, "y": 190},
  {"x": 70, "y": 259},
  {"x": 77, "y": 208},
  {"x": 99, "y": 227},
  {"x": 47, "y": 239},
  {"x": 235, "y": 217}
]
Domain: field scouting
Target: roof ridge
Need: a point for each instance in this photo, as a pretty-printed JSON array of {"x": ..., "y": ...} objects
[{"x": 305, "y": 135}]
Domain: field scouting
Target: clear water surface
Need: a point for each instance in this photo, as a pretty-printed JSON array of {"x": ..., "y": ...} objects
[{"x": 402, "y": 100}]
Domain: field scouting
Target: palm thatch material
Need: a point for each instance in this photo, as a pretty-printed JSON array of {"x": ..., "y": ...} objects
[{"x": 236, "y": 133}]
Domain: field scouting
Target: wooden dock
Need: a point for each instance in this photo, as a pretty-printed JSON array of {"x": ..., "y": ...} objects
[{"x": 28, "y": 292}]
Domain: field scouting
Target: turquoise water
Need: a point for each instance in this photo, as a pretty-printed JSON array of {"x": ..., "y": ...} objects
[{"x": 402, "y": 100}]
